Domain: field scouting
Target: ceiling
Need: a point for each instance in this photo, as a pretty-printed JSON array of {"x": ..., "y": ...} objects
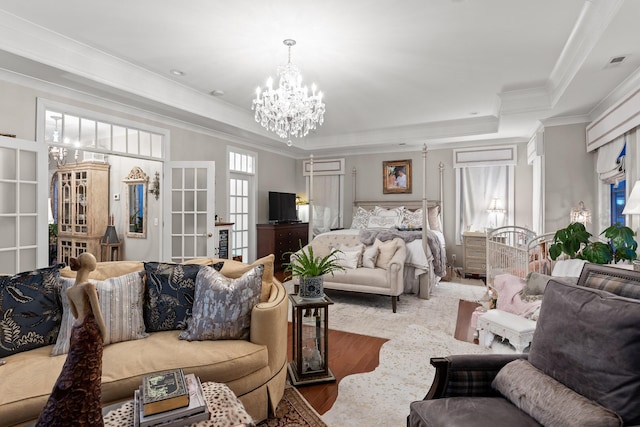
[{"x": 395, "y": 74}]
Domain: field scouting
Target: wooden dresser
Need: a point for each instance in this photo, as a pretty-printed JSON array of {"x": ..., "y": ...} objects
[
  {"x": 474, "y": 253},
  {"x": 280, "y": 238}
]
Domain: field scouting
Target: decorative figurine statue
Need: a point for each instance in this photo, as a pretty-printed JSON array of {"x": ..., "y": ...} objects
[{"x": 75, "y": 398}]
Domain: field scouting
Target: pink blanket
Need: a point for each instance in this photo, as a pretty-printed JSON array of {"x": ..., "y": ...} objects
[{"x": 508, "y": 288}]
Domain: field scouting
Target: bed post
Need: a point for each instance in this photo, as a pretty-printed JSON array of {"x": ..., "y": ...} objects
[
  {"x": 311, "y": 198},
  {"x": 354, "y": 187},
  {"x": 425, "y": 288},
  {"x": 441, "y": 168}
]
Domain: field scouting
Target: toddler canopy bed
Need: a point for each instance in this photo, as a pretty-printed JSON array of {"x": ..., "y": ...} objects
[{"x": 384, "y": 220}]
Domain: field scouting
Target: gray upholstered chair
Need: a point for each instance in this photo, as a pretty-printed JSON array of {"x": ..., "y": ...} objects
[{"x": 583, "y": 367}]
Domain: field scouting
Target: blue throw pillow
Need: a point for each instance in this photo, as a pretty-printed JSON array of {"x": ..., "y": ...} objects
[
  {"x": 168, "y": 301},
  {"x": 30, "y": 310}
]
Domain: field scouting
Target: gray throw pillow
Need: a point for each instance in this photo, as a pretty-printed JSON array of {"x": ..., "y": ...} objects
[
  {"x": 222, "y": 306},
  {"x": 589, "y": 340},
  {"x": 548, "y": 401}
]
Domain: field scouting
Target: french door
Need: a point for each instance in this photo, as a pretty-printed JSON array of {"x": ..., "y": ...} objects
[
  {"x": 24, "y": 185},
  {"x": 189, "y": 210}
]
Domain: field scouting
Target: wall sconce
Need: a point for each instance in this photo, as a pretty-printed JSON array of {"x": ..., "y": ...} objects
[
  {"x": 581, "y": 214},
  {"x": 155, "y": 186}
]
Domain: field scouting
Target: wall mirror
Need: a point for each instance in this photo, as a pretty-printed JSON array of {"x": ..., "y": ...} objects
[{"x": 137, "y": 182}]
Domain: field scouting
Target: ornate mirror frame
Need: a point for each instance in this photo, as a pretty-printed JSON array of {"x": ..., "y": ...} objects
[{"x": 136, "y": 213}]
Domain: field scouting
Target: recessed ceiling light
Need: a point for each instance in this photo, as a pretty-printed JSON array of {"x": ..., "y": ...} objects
[
  {"x": 177, "y": 72},
  {"x": 217, "y": 92}
]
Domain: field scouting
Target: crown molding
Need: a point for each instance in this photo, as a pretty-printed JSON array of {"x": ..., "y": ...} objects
[
  {"x": 594, "y": 18},
  {"x": 24, "y": 39}
]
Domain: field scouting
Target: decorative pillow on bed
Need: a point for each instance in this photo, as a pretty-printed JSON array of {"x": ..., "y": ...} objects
[
  {"x": 370, "y": 256},
  {"x": 360, "y": 219},
  {"x": 387, "y": 251},
  {"x": 30, "y": 310},
  {"x": 349, "y": 256},
  {"x": 169, "y": 294},
  {"x": 121, "y": 305},
  {"x": 384, "y": 222},
  {"x": 380, "y": 211},
  {"x": 222, "y": 306},
  {"x": 413, "y": 219},
  {"x": 548, "y": 401},
  {"x": 433, "y": 216}
]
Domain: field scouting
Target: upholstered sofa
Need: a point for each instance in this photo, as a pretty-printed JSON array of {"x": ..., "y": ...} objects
[
  {"x": 384, "y": 274},
  {"x": 583, "y": 367},
  {"x": 254, "y": 368}
]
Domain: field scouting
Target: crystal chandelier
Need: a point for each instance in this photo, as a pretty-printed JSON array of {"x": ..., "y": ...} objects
[{"x": 289, "y": 110}]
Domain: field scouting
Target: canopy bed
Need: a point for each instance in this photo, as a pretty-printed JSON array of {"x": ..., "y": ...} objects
[{"x": 386, "y": 220}]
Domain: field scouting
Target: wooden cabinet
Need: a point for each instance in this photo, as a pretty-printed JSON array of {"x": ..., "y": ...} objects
[
  {"x": 474, "y": 253},
  {"x": 280, "y": 238},
  {"x": 83, "y": 209},
  {"x": 223, "y": 238}
]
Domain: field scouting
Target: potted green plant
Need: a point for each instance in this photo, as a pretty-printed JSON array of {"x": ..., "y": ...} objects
[
  {"x": 621, "y": 242},
  {"x": 574, "y": 241},
  {"x": 311, "y": 269}
]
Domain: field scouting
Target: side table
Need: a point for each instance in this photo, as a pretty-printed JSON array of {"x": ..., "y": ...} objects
[
  {"x": 225, "y": 407},
  {"x": 310, "y": 328}
]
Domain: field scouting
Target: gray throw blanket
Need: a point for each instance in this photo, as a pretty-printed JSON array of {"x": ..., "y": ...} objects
[{"x": 439, "y": 256}]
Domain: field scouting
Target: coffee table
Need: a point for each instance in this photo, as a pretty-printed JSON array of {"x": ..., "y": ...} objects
[{"x": 226, "y": 409}]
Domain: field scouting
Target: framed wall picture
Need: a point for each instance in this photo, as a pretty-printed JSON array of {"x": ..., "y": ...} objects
[{"x": 396, "y": 176}]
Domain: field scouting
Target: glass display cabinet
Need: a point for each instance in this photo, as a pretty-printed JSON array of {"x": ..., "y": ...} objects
[{"x": 310, "y": 327}]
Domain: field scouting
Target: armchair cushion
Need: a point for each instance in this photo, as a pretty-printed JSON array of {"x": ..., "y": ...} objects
[
  {"x": 467, "y": 411},
  {"x": 602, "y": 338},
  {"x": 547, "y": 400}
]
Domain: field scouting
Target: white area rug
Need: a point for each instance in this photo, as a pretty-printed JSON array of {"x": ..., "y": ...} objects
[{"x": 420, "y": 329}]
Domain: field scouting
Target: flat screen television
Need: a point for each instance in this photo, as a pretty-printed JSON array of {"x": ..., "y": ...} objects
[{"x": 282, "y": 207}]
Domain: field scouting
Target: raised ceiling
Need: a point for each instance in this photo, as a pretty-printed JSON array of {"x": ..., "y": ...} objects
[{"x": 396, "y": 74}]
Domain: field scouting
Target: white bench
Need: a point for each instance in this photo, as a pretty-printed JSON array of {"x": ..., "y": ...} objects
[{"x": 518, "y": 330}]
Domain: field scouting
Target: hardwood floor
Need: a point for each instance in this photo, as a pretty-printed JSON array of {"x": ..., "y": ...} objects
[{"x": 348, "y": 354}]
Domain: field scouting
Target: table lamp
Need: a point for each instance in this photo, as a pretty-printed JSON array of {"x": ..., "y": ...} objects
[{"x": 632, "y": 207}]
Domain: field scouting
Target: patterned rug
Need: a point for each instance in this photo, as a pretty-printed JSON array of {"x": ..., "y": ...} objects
[{"x": 294, "y": 410}]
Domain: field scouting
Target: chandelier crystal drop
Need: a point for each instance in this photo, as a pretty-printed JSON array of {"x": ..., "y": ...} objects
[{"x": 290, "y": 110}]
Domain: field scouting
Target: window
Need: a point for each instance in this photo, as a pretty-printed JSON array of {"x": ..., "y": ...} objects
[
  {"x": 618, "y": 201},
  {"x": 241, "y": 201},
  {"x": 74, "y": 130}
]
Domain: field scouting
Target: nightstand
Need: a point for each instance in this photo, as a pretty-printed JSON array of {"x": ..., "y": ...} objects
[{"x": 474, "y": 254}]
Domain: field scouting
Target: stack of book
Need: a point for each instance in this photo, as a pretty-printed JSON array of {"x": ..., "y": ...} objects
[{"x": 169, "y": 399}]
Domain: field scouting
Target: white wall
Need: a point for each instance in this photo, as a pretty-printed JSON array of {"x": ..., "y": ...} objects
[
  {"x": 570, "y": 175},
  {"x": 369, "y": 185},
  {"x": 18, "y": 116}
]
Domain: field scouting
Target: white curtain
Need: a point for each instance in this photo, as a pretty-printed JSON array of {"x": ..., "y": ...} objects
[
  {"x": 479, "y": 186},
  {"x": 326, "y": 203},
  {"x": 610, "y": 165},
  {"x": 537, "y": 201}
]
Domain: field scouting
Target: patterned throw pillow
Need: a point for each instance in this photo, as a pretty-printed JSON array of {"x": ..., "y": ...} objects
[
  {"x": 30, "y": 310},
  {"x": 413, "y": 219},
  {"x": 383, "y": 222},
  {"x": 169, "y": 294},
  {"x": 222, "y": 306},
  {"x": 360, "y": 219},
  {"x": 121, "y": 305}
]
